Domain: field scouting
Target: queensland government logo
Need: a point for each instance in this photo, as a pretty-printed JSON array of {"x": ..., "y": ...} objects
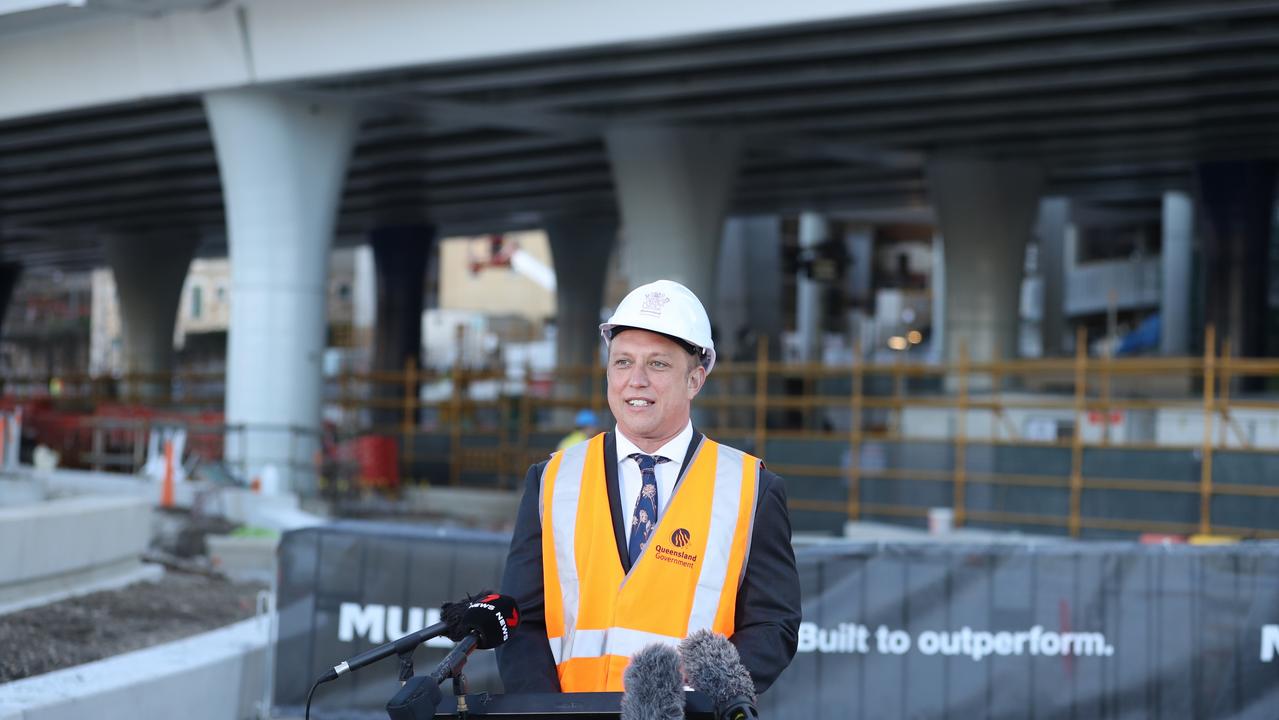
[
  {"x": 679, "y": 539},
  {"x": 653, "y": 303}
]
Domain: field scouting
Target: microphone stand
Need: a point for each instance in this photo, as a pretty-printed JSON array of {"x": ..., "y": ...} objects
[
  {"x": 460, "y": 684},
  {"x": 406, "y": 665},
  {"x": 459, "y": 691}
]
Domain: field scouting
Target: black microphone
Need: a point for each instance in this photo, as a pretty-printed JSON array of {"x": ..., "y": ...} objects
[
  {"x": 450, "y": 626},
  {"x": 486, "y": 623},
  {"x": 713, "y": 666},
  {"x": 385, "y": 650},
  {"x": 654, "y": 685}
]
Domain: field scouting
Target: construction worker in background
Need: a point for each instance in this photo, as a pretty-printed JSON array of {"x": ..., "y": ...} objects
[
  {"x": 652, "y": 531},
  {"x": 585, "y": 426}
]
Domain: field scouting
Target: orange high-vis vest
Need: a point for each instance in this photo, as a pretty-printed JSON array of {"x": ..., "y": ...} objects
[{"x": 685, "y": 580}]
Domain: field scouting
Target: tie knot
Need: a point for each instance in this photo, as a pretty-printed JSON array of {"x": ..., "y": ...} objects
[{"x": 647, "y": 462}]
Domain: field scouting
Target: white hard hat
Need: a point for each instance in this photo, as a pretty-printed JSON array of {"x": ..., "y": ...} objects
[{"x": 665, "y": 306}]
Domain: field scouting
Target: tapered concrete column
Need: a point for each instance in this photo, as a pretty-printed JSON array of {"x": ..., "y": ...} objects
[
  {"x": 808, "y": 292},
  {"x": 986, "y": 210},
  {"x": 673, "y": 188},
  {"x": 746, "y": 311},
  {"x": 1176, "y": 274},
  {"x": 400, "y": 257},
  {"x": 10, "y": 274},
  {"x": 580, "y": 251},
  {"x": 1237, "y": 199},
  {"x": 937, "y": 343},
  {"x": 282, "y": 160},
  {"x": 149, "y": 274},
  {"x": 1054, "y": 218}
]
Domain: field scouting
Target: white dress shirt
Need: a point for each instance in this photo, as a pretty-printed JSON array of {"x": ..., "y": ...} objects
[{"x": 630, "y": 479}]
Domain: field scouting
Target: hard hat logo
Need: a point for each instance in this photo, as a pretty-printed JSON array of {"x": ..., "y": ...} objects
[{"x": 653, "y": 303}]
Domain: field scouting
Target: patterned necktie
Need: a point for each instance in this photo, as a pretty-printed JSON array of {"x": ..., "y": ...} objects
[{"x": 644, "y": 519}]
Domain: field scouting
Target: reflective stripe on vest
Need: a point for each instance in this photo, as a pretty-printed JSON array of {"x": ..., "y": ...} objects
[{"x": 686, "y": 579}]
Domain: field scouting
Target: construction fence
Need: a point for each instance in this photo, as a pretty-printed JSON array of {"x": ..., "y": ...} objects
[{"x": 1081, "y": 446}]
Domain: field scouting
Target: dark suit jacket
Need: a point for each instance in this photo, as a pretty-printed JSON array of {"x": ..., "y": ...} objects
[{"x": 768, "y": 604}]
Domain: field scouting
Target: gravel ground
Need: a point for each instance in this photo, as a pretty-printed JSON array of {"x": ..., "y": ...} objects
[{"x": 92, "y": 627}]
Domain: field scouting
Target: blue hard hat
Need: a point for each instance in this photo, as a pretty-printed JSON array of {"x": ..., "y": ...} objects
[{"x": 585, "y": 418}]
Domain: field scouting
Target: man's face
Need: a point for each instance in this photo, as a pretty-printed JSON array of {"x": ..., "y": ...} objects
[{"x": 651, "y": 386}]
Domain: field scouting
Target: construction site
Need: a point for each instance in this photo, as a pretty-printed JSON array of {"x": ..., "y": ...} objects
[{"x": 990, "y": 286}]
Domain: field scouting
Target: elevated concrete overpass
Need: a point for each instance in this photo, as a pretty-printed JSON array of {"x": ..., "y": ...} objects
[
  {"x": 482, "y": 115},
  {"x": 139, "y": 131}
]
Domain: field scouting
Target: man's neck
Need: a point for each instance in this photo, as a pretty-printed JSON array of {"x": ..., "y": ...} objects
[{"x": 651, "y": 446}]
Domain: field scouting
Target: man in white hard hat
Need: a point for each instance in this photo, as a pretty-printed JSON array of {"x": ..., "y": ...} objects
[{"x": 650, "y": 532}]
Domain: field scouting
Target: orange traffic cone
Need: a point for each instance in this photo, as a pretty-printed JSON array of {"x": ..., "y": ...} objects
[{"x": 166, "y": 486}]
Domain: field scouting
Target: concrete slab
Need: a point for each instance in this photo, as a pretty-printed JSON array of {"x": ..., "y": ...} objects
[
  {"x": 271, "y": 511},
  {"x": 477, "y": 505},
  {"x": 82, "y": 482},
  {"x": 244, "y": 558},
  {"x": 56, "y": 546},
  {"x": 212, "y": 676},
  {"x": 63, "y": 482},
  {"x": 17, "y": 492},
  {"x": 884, "y": 532},
  {"x": 13, "y": 545},
  {"x": 60, "y": 587}
]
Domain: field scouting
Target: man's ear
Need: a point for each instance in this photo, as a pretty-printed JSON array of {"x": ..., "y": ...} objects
[{"x": 696, "y": 379}]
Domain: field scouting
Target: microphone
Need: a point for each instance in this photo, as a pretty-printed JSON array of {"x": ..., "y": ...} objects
[
  {"x": 713, "y": 666},
  {"x": 486, "y": 623},
  {"x": 654, "y": 685},
  {"x": 450, "y": 626},
  {"x": 385, "y": 650}
]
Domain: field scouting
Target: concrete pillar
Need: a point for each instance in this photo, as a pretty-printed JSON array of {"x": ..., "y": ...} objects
[
  {"x": 1054, "y": 218},
  {"x": 673, "y": 188},
  {"x": 149, "y": 274},
  {"x": 400, "y": 257},
  {"x": 10, "y": 274},
  {"x": 937, "y": 341},
  {"x": 808, "y": 292},
  {"x": 1237, "y": 199},
  {"x": 986, "y": 210},
  {"x": 282, "y": 161},
  {"x": 580, "y": 251},
  {"x": 1176, "y": 274},
  {"x": 745, "y": 311}
]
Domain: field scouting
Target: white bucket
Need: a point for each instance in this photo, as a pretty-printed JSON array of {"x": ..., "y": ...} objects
[{"x": 940, "y": 520}]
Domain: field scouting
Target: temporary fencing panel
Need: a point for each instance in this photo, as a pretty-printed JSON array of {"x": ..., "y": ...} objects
[
  {"x": 1088, "y": 630},
  {"x": 350, "y": 586}
]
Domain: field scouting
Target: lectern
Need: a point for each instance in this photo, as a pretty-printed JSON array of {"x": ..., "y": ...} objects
[{"x": 572, "y": 706}]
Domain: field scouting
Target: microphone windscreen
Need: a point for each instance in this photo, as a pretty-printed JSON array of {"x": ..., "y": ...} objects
[
  {"x": 418, "y": 699},
  {"x": 654, "y": 685},
  {"x": 712, "y": 665},
  {"x": 492, "y": 617},
  {"x": 451, "y": 614}
]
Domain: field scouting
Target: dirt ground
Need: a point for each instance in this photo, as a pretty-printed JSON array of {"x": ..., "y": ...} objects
[{"x": 92, "y": 627}]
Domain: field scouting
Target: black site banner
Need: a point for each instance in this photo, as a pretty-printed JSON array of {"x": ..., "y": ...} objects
[{"x": 919, "y": 630}]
